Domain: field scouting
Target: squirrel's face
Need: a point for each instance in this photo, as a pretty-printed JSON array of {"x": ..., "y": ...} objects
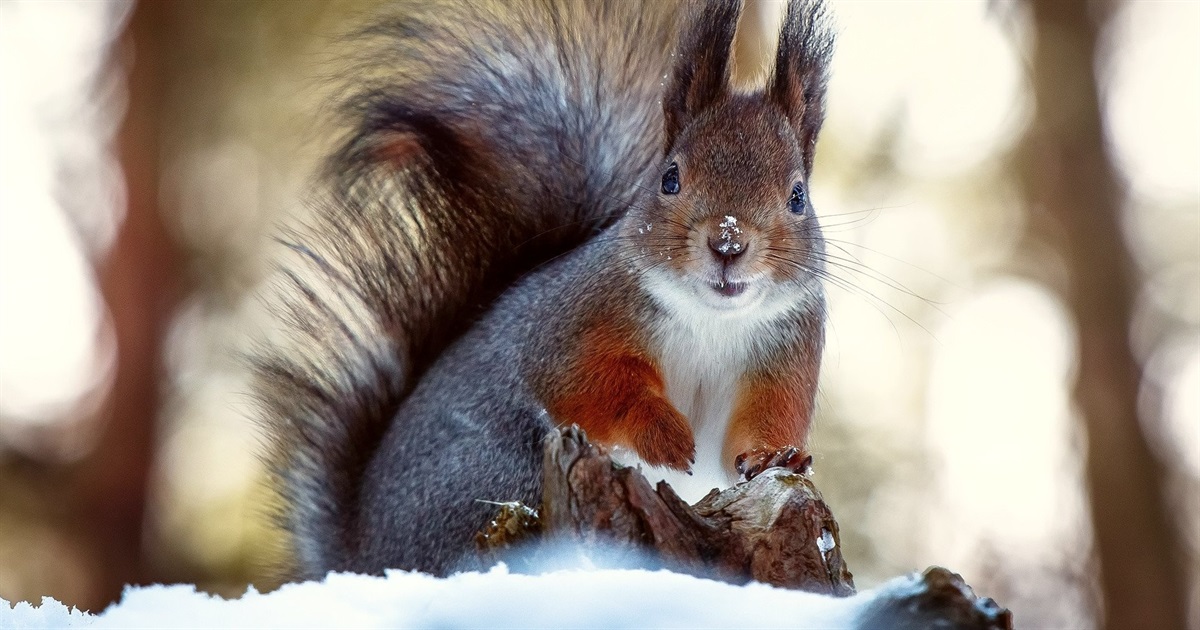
[{"x": 730, "y": 224}]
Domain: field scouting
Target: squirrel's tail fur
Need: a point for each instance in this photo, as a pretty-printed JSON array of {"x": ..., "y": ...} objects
[{"x": 485, "y": 138}]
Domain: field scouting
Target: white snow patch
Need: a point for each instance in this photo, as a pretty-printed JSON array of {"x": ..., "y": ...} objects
[
  {"x": 496, "y": 599},
  {"x": 51, "y": 614},
  {"x": 826, "y": 542}
]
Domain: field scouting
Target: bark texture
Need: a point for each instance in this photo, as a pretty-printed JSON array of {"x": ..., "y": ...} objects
[{"x": 775, "y": 529}]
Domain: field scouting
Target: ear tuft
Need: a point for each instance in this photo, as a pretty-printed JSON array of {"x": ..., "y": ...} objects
[
  {"x": 798, "y": 82},
  {"x": 702, "y": 64}
]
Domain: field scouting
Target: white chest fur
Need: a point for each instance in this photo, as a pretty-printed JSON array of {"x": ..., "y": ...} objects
[
  {"x": 702, "y": 369},
  {"x": 703, "y": 354}
]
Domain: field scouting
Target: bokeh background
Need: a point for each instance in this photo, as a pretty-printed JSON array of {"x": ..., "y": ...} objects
[{"x": 1012, "y": 198}]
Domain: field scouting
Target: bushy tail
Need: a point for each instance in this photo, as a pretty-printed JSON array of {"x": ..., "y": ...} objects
[{"x": 486, "y": 138}]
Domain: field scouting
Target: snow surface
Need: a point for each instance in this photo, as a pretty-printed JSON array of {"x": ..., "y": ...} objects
[
  {"x": 625, "y": 598},
  {"x": 826, "y": 542}
]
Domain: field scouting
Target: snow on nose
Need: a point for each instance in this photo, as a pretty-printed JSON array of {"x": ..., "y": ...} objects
[{"x": 728, "y": 243}]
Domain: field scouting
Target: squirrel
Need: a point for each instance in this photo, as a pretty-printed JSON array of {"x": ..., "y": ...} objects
[{"x": 545, "y": 214}]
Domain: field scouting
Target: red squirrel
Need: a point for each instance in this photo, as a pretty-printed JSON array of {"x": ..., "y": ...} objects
[{"x": 546, "y": 214}]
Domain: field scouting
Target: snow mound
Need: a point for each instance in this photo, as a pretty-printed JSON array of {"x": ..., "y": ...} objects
[
  {"x": 51, "y": 614},
  {"x": 496, "y": 599}
]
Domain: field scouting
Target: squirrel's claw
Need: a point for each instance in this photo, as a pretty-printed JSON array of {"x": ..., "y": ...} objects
[{"x": 752, "y": 463}]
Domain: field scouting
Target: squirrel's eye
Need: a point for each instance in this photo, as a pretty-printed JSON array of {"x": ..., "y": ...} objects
[
  {"x": 670, "y": 182},
  {"x": 797, "y": 203}
]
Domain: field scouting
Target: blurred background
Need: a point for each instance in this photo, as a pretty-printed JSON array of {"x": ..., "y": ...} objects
[{"x": 1012, "y": 198}]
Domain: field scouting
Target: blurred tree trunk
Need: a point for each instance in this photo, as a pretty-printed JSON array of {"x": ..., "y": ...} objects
[
  {"x": 140, "y": 282},
  {"x": 1077, "y": 200}
]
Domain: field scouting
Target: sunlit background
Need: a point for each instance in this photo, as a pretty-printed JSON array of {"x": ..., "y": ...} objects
[{"x": 147, "y": 152}]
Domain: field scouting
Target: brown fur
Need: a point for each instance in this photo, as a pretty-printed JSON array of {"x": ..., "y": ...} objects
[
  {"x": 775, "y": 403},
  {"x": 615, "y": 393}
]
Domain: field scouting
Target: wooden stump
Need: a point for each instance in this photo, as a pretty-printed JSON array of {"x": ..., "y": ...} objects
[{"x": 775, "y": 529}]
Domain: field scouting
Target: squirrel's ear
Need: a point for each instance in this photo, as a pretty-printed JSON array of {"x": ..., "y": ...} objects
[
  {"x": 797, "y": 84},
  {"x": 702, "y": 64}
]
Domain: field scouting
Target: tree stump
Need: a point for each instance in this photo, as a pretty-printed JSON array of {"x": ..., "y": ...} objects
[{"x": 774, "y": 529}]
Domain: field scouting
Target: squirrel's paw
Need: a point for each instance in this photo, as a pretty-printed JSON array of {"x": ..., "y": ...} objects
[
  {"x": 753, "y": 462},
  {"x": 667, "y": 440}
]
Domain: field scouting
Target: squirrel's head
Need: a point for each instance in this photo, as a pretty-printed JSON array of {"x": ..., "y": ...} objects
[{"x": 727, "y": 219}]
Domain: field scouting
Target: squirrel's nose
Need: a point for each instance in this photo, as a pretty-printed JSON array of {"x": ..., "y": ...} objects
[
  {"x": 726, "y": 249},
  {"x": 727, "y": 241}
]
